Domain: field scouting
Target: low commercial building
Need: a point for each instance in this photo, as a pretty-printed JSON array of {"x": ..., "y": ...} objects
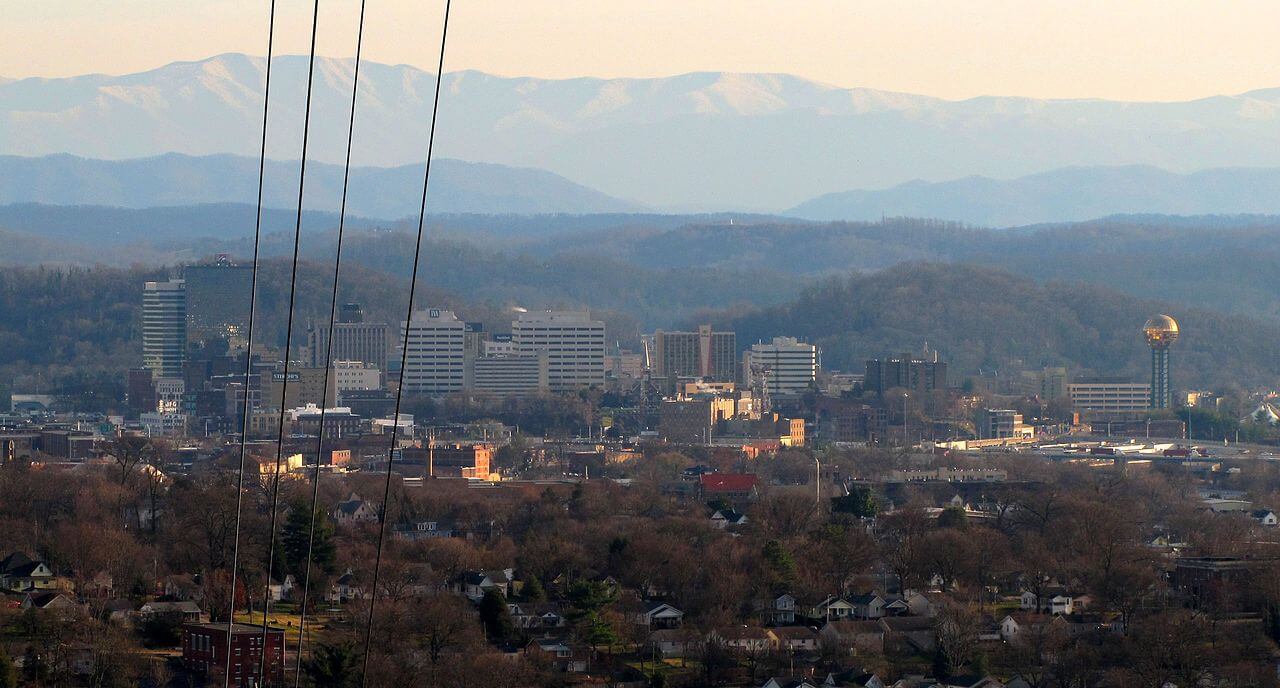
[
  {"x": 204, "y": 651},
  {"x": 1109, "y": 395}
]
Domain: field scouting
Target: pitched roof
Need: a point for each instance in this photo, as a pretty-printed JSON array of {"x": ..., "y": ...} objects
[
  {"x": 728, "y": 482},
  {"x": 13, "y": 561}
]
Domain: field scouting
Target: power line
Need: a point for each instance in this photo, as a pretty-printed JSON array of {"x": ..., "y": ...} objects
[
  {"x": 328, "y": 357},
  {"x": 288, "y": 341},
  {"x": 404, "y": 352},
  {"x": 248, "y": 353}
]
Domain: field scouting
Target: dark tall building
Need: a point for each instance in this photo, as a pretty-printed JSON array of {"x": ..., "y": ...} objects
[
  {"x": 140, "y": 388},
  {"x": 1161, "y": 332},
  {"x": 706, "y": 354},
  {"x": 906, "y": 371},
  {"x": 353, "y": 340},
  {"x": 218, "y": 296}
]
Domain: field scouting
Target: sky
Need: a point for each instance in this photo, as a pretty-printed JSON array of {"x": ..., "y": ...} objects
[{"x": 1128, "y": 50}]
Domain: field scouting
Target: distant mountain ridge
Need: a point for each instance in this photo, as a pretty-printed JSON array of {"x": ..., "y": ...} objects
[
  {"x": 707, "y": 140},
  {"x": 1065, "y": 195},
  {"x": 174, "y": 179}
]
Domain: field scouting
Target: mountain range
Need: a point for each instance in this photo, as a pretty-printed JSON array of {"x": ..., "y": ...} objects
[
  {"x": 708, "y": 140},
  {"x": 1067, "y": 195},
  {"x": 175, "y": 179}
]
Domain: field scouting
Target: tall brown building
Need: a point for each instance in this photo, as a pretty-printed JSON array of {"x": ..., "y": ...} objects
[{"x": 706, "y": 354}]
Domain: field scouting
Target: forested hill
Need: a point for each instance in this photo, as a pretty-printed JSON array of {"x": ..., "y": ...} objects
[{"x": 984, "y": 318}]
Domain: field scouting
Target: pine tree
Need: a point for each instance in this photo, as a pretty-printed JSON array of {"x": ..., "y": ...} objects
[
  {"x": 296, "y": 537},
  {"x": 494, "y": 615}
]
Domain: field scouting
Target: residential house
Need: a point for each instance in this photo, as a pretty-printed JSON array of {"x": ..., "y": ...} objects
[
  {"x": 21, "y": 573},
  {"x": 1265, "y": 517},
  {"x": 669, "y": 642},
  {"x": 1018, "y": 625},
  {"x": 910, "y": 633},
  {"x": 474, "y": 584},
  {"x": 734, "y": 487},
  {"x": 796, "y": 639},
  {"x": 354, "y": 510},
  {"x": 783, "y": 682},
  {"x": 344, "y": 589},
  {"x": 281, "y": 590},
  {"x": 867, "y": 606},
  {"x": 177, "y": 612},
  {"x": 52, "y": 600},
  {"x": 747, "y": 639},
  {"x": 535, "y": 616},
  {"x": 851, "y": 636},
  {"x": 728, "y": 518},
  {"x": 558, "y": 652},
  {"x": 777, "y": 611},
  {"x": 829, "y": 608},
  {"x": 659, "y": 615},
  {"x": 1051, "y": 601}
]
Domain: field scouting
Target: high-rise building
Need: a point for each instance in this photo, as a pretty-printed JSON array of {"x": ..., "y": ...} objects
[
  {"x": 218, "y": 296},
  {"x": 905, "y": 371},
  {"x": 787, "y": 365},
  {"x": 572, "y": 341},
  {"x": 353, "y": 340},
  {"x": 164, "y": 328},
  {"x": 435, "y": 361},
  {"x": 1161, "y": 332},
  {"x": 706, "y": 354},
  {"x": 511, "y": 374}
]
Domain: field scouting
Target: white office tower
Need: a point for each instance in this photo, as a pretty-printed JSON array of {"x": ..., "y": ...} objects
[
  {"x": 435, "y": 361},
  {"x": 164, "y": 328},
  {"x": 787, "y": 365},
  {"x": 573, "y": 343}
]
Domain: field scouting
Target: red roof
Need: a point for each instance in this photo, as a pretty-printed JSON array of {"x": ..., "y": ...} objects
[{"x": 728, "y": 482}]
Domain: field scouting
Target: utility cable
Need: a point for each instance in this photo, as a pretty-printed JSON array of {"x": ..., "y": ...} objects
[
  {"x": 328, "y": 356},
  {"x": 288, "y": 341},
  {"x": 404, "y": 354},
  {"x": 248, "y": 352}
]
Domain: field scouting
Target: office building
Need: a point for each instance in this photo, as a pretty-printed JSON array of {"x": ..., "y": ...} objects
[
  {"x": 353, "y": 340},
  {"x": 218, "y": 296},
  {"x": 355, "y": 376},
  {"x": 435, "y": 360},
  {"x": 511, "y": 374},
  {"x": 140, "y": 389},
  {"x": 1161, "y": 332},
  {"x": 784, "y": 367},
  {"x": 572, "y": 341},
  {"x": 305, "y": 386},
  {"x": 164, "y": 328},
  {"x": 706, "y": 354},
  {"x": 907, "y": 372},
  {"x": 1109, "y": 395},
  {"x": 993, "y": 424}
]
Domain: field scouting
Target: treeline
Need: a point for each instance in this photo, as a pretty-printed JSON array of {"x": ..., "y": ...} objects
[{"x": 982, "y": 318}]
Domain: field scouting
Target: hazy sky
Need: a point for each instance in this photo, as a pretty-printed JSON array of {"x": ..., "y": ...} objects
[{"x": 1126, "y": 49}]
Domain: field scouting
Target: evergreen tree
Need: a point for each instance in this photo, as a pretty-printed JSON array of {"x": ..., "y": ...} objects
[
  {"x": 532, "y": 590},
  {"x": 296, "y": 536},
  {"x": 495, "y": 616},
  {"x": 333, "y": 666},
  {"x": 8, "y": 671}
]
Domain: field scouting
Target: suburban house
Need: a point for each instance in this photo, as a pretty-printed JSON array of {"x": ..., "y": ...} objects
[
  {"x": 726, "y": 518},
  {"x": 21, "y": 573},
  {"x": 354, "y": 510},
  {"x": 1052, "y": 601},
  {"x": 474, "y": 584},
  {"x": 535, "y": 616},
  {"x": 782, "y": 682},
  {"x": 830, "y": 608},
  {"x": 777, "y": 611},
  {"x": 183, "y": 611},
  {"x": 558, "y": 652},
  {"x": 1265, "y": 517},
  {"x": 750, "y": 639},
  {"x": 910, "y": 632},
  {"x": 669, "y": 642},
  {"x": 851, "y": 636},
  {"x": 344, "y": 589},
  {"x": 50, "y": 599},
  {"x": 659, "y": 615},
  {"x": 867, "y": 606},
  {"x": 1017, "y": 624},
  {"x": 796, "y": 638}
]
